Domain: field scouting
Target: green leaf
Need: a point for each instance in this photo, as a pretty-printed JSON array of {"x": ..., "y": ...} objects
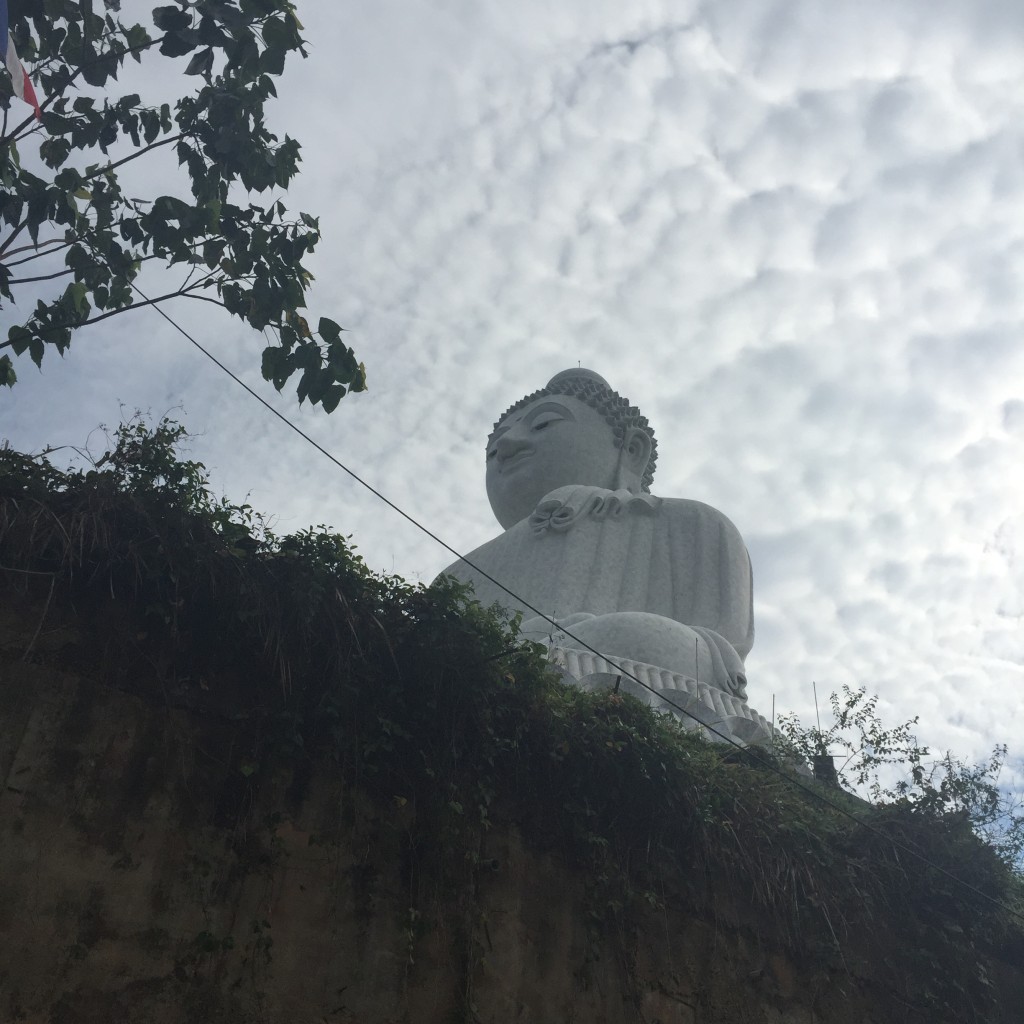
[
  {"x": 177, "y": 44},
  {"x": 332, "y": 396},
  {"x": 201, "y": 63},
  {"x": 19, "y": 338},
  {"x": 171, "y": 19},
  {"x": 329, "y": 330},
  {"x": 54, "y": 151},
  {"x": 15, "y": 158},
  {"x": 76, "y": 293},
  {"x": 275, "y": 366},
  {"x": 136, "y": 38},
  {"x": 35, "y": 350}
]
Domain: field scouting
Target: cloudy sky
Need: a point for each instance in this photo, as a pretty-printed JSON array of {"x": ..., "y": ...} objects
[{"x": 791, "y": 232}]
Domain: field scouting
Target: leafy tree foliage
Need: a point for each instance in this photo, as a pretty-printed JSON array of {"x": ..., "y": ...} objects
[
  {"x": 70, "y": 223},
  {"x": 887, "y": 766}
]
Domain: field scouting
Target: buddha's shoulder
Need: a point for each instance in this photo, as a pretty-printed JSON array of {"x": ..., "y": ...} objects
[
  {"x": 698, "y": 514},
  {"x": 488, "y": 557},
  {"x": 691, "y": 507}
]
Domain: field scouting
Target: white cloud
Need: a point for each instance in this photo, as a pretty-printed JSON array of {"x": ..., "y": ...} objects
[{"x": 793, "y": 233}]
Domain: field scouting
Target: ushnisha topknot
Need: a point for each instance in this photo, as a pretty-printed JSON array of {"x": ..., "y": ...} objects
[{"x": 594, "y": 390}]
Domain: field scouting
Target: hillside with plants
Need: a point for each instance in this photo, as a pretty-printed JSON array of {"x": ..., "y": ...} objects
[{"x": 444, "y": 738}]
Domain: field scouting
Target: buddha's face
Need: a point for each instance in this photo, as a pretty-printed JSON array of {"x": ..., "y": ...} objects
[{"x": 554, "y": 441}]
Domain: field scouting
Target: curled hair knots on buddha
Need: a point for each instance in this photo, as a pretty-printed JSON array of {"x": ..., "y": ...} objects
[{"x": 592, "y": 389}]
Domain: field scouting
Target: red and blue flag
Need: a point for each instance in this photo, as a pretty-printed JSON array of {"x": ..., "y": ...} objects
[{"x": 19, "y": 76}]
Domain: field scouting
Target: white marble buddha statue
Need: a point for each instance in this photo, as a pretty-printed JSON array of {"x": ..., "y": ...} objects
[{"x": 659, "y": 583}]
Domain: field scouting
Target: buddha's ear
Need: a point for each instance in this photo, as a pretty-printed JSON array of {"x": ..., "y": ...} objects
[{"x": 635, "y": 454}]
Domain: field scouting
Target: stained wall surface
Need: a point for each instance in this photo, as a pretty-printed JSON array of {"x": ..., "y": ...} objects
[{"x": 147, "y": 876}]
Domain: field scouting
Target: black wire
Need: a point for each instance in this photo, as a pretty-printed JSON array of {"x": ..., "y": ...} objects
[{"x": 749, "y": 751}]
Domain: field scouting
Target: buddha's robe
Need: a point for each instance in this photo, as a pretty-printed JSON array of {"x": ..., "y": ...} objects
[{"x": 589, "y": 552}]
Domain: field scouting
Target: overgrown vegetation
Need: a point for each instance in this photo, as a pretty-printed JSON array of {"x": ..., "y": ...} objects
[
  {"x": 423, "y": 699},
  {"x": 886, "y": 765}
]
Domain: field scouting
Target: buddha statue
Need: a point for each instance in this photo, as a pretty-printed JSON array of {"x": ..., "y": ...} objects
[{"x": 660, "y": 587}]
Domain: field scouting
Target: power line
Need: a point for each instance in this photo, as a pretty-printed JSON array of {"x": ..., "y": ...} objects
[{"x": 749, "y": 750}]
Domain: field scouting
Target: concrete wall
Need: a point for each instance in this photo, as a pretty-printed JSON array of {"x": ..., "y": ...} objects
[{"x": 149, "y": 874}]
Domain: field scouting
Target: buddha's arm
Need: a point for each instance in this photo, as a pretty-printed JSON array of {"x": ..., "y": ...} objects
[{"x": 712, "y": 581}]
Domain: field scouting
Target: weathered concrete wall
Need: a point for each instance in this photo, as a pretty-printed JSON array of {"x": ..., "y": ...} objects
[{"x": 144, "y": 877}]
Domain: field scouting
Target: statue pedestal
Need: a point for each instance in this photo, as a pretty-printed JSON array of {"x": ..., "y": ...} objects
[{"x": 709, "y": 706}]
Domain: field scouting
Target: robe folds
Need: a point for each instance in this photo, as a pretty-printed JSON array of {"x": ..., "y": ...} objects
[{"x": 594, "y": 551}]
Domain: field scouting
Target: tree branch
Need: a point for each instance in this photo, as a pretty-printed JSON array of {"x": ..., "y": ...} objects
[
  {"x": 24, "y": 248},
  {"x": 133, "y": 156},
  {"x": 55, "y": 248},
  {"x": 12, "y": 236},
  {"x": 103, "y": 316},
  {"x": 16, "y": 135},
  {"x": 205, "y": 298},
  {"x": 41, "y": 277},
  {"x": 50, "y": 328}
]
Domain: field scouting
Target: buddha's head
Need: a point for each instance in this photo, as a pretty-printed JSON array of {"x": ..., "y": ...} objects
[{"x": 576, "y": 430}]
